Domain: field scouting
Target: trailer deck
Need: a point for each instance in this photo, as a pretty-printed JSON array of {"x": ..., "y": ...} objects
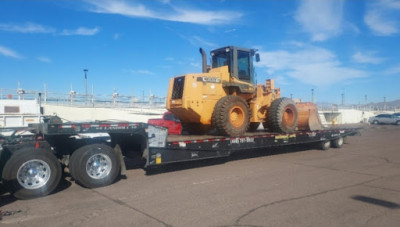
[{"x": 96, "y": 162}]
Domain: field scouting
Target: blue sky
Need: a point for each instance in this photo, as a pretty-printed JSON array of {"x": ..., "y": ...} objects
[{"x": 333, "y": 47}]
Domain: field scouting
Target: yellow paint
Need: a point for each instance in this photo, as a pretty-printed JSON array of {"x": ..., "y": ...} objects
[{"x": 158, "y": 158}]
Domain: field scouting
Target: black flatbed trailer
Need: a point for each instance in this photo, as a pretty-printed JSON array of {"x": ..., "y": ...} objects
[{"x": 31, "y": 166}]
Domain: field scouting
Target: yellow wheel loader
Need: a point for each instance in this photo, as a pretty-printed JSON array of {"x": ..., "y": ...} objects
[{"x": 225, "y": 97}]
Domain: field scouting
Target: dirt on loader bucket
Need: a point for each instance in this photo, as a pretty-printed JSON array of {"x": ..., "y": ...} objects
[{"x": 308, "y": 117}]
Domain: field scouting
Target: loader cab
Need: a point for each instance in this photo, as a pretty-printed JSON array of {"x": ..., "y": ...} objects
[{"x": 239, "y": 61}]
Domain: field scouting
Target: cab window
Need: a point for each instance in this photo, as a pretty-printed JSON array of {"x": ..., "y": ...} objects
[
  {"x": 220, "y": 59},
  {"x": 243, "y": 65}
]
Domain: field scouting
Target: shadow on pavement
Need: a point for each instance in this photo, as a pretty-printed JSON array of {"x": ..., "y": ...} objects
[{"x": 378, "y": 202}]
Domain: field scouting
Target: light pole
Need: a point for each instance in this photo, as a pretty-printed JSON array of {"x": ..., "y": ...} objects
[
  {"x": 312, "y": 96},
  {"x": 85, "y": 71},
  {"x": 384, "y": 103}
]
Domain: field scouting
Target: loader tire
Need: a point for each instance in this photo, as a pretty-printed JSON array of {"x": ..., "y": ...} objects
[
  {"x": 231, "y": 116},
  {"x": 282, "y": 116}
]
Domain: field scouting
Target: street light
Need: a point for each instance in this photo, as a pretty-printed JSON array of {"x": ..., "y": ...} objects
[
  {"x": 312, "y": 96},
  {"x": 85, "y": 71}
]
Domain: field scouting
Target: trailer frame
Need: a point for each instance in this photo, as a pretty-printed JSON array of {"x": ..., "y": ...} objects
[{"x": 83, "y": 156}]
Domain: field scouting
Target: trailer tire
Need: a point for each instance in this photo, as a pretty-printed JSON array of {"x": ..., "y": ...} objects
[
  {"x": 31, "y": 173},
  {"x": 282, "y": 116},
  {"x": 338, "y": 143},
  {"x": 325, "y": 145},
  {"x": 95, "y": 165},
  {"x": 231, "y": 116}
]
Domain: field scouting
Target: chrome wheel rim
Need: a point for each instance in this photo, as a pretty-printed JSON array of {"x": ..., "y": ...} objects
[
  {"x": 340, "y": 141},
  {"x": 98, "y": 166},
  {"x": 33, "y": 174}
]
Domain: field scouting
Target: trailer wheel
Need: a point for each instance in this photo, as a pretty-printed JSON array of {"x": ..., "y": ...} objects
[
  {"x": 95, "y": 165},
  {"x": 231, "y": 116},
  {"x": 325, "y": 145},
  {"x": 338, "y": 143},
  {"x": 282, "y": 116},
  {"x": 31, "y": 173}
]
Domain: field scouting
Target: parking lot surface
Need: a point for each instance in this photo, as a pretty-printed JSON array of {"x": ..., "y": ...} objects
[{"x": 357, "y": 185}]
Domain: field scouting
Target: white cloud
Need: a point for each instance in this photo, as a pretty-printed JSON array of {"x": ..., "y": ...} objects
[
  {"x": 367, "y": 57},
  {"x": 27, "y": 28},
  {"x": 393, "y": 71},
  {"x": 230, "y": 30},
  {"x": 322, "y": 19},
  {"x": 168, "y": 13},
  {"x": 44, "y": 59},
  {"x": 383, "y": 17},
  {"x": 81, "y": 31},
  {"x": 195, "y": 65},
  {"x": 9, "y": 53},
  {"x": 116, "y": 36},
  {"x": 38, "y": 28},
  {"x": 202, "y": 42},
  {"x": 141, "y": 72},
  {"x": 310, "y": 65}
]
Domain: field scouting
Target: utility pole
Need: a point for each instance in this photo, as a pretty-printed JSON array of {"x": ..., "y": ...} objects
[
  {"x": 366, "y": 102},
  {"x": 312, "y": 96},
  {"x": 343, "y": 98},
  {"x": 384, "y": 103},
  {"x": 85, "y": 71}
]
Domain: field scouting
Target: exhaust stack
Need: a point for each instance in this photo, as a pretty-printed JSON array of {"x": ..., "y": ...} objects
[{"x": 204, "y": 60}]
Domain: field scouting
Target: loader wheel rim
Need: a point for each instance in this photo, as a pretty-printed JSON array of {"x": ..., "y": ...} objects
[
  {"x": 33, "y": 174},
  {"x": 289, "y": 116},
  {"x": 236, "y": 117},
  {"x": 98, "y": 166}
]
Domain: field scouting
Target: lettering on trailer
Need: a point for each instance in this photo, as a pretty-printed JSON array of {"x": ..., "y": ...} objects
[
  {"x": 311, "y": 134},
  {"x": 335, "y": 135},
  {"x": 239, "y": 140},
  {"x": 195, "y": 154},
  {"x": 184, "y": 143},
  {"x": 86, "y": 127}
]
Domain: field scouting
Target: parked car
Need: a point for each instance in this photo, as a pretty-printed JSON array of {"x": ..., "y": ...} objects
[
  {"x": 385, "y": 119},
  {"x": 170, "y": 121}
]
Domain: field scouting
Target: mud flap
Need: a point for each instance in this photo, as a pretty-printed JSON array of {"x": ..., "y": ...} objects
[{"x": 118, "y": 152}]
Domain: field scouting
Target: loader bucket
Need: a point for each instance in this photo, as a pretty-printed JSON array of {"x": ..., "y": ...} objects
[{"x": 308, "y": 118}]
